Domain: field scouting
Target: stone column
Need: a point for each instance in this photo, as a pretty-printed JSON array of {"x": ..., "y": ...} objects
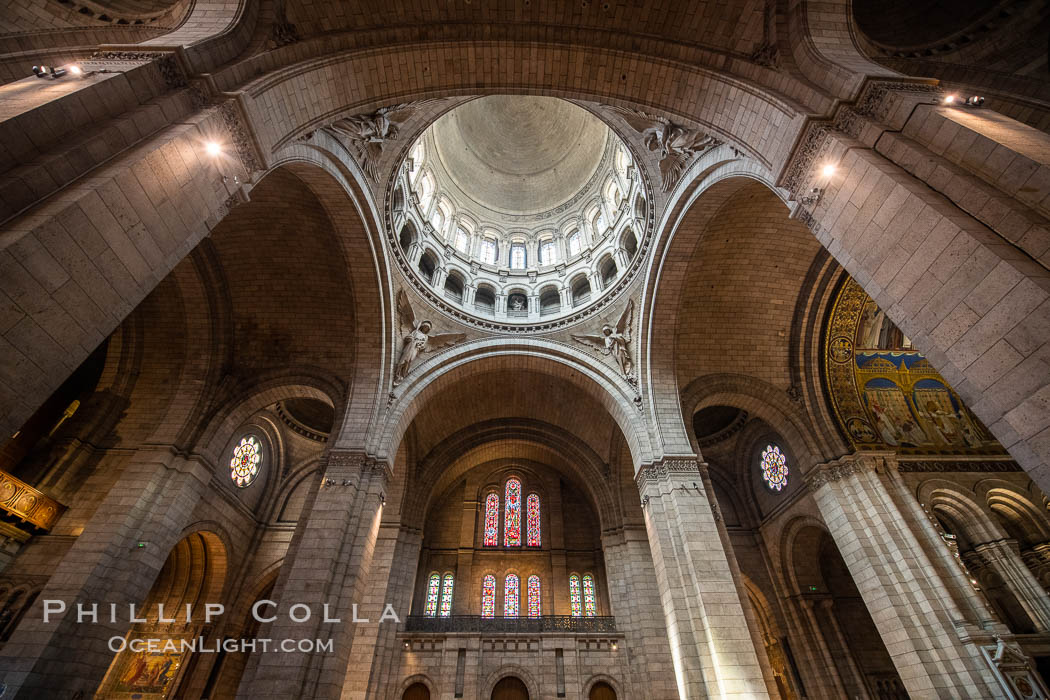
[
  {"x": 328, "y": 562},
  {"x": 880, "y": 530},
  {"x": 151, "y": 502},
  {"x": 711, "y": 647},
  {"x": 1004, "y": 557}
]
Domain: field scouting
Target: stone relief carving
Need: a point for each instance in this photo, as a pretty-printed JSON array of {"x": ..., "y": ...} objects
[
  {"x": 417, "y": 337},
  {"x": 240, "y": 137},
  {"x": 678, "y": 146},
  {"x": 166, "y": 61},
  {"x": 615, "y": 342},
  {"x": 767, "y": 55},
  {"x": 368, "y": 134}
]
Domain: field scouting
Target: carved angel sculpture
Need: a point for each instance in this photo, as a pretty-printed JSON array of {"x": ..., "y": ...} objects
[
  {"x": 676, "y": 145},
  {"x": 615, "y": 341},
  {"x": 416, "y": 337},
  {"x": 368, "y": 133}
]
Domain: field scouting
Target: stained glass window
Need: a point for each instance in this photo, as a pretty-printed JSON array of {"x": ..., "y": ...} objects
[
  {"x": 430, "y": 609},
  {"x": 446, "y": 596},
  {"x": 491, "y": 520},
  {"x": 533, "y": 592},
  {"x": 462, "y": 240},
  {"x": 774, "y": 467},
  {"x": 488, "y": 596},
  {"x": 510, "y": 596},
  {"x": 532, "y": 510},
  {"x": 244, "y": 464},
  {"x": 590, "y": 604},
  {"x": 512, "y": 516},
  {"x": 575, "y": 599}
]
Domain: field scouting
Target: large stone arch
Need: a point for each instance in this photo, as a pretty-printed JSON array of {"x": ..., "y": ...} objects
[{"x": 477, "y": 358}]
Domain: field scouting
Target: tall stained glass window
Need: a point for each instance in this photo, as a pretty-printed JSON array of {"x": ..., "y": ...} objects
[
  {"x": 532, "y": 511},
  {"x": 590, "y": 604},
  {"x": 488, "y": 596},
  {"x": 510, "y": 596},
  {"x": 575, "y": 598},
  {"x": 244, "y": 465},
  {"x": 533, "y": 596},
  {"x": 488, "y": 251},
  {"x": 491, "y": 520},
  {"x": 575, "y": 243},
  {"x": 446, "y": 595},
  {"x": 774, "y": 467},
  {"x": 512, "y": 515},
  {"x": 433, "y": 586}
]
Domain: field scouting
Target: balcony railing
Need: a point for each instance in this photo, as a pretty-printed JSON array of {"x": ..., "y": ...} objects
[
  {"x": 511, "y": 625},
  {"x": 24, "y": 502}
]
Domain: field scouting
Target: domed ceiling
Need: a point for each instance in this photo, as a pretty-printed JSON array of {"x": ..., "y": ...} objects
[
  {"x": 519, "y": 155},
  {"x": 519, "y": 212}
]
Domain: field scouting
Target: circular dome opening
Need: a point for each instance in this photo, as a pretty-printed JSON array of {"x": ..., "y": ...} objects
[
  {"x": 914, "y": 23},
  {"x": 519, "y": 210}
]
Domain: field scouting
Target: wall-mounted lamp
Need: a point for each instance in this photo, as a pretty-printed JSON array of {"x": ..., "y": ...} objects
[
  {"x": 213, "y": 148},
  {"x": 813, "y": 198},
  {"x": 974, "y": 101},
  {"x": 48, "y": 72}
]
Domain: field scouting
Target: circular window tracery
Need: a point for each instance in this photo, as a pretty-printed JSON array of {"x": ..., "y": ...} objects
[
  {"x": 774, "y": 467},
  {"x": 244, "y": 465}
]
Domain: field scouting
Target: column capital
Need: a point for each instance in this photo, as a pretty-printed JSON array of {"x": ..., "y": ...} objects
[
  {"x": 668, "y": 468},
  {"x": 353, "y": 465},
  {"x": 848, "y": 465}
]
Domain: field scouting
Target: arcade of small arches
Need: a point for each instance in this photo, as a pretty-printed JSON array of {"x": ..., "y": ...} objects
[{"x": 617, "y": 367}]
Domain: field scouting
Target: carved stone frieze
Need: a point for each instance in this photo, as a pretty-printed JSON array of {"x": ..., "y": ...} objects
[
  {"x": 847, "y": 466},
  {"x": 665, "y": 469},
  {"x": 933, "y": 466},
  {"x": 166, "y": 61},
  {"x": 814, "y": 144},
  {"x": 874, "y": 100},
  {"x": 240, "y": 136}
]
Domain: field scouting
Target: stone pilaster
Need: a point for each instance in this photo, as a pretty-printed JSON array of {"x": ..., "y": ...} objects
[
  {"x": 152, "y": 503},
  {"x": 931, "y": 631},
  {"x": 328, "y": 562},
  {"x": 1005, "y": 559},
  {"x": 636, "y": 606},
  {"x": 711, "y": 648}
]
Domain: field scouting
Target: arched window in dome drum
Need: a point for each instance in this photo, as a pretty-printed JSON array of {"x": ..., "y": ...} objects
[
  {"x": 547, "y": 252},
  {"x": 491, "y": 520},
  {"x": 433, "y": 587},
  {"x": 510, "y": 596},
  {"x": 445, "y": 609},
  {"x": 489, "y": 251},
  {"x": 488, "y": 596},
  {"x": 590, "y": 602},
  {"x": 575, "y": 243},
  {"x": 532, "y": 514},
  {"x": 462, "y": 240},
  {"x": 575, "y": 596},
  {"x": 533, "y": 596},
  {"x": 512, "y": 515},
  {"x": 517, "y": 256}
]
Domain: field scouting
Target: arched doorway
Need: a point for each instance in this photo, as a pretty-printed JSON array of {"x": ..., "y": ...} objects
[
  {"x": 416, "y": 691},
  {"x": 510, "y": 688},
  {"x": 601, "y": 691}
]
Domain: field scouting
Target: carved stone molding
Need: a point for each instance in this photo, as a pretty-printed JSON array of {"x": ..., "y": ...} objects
[
  {"x": 815, "y": 142},
  {"x": 857, "y": 463},
  {"x": 875, "y": 100},
  {"x": 240, "y": 136},
  {"x": 661, "y": 471},
  {"x": 934, "y": 466},
  {"x": 166, "y": 61}
]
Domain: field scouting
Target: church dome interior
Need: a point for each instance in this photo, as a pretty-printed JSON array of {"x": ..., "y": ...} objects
[
  {"x": 497, "y": 350},
  {"x": 520, "y": 209}
]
